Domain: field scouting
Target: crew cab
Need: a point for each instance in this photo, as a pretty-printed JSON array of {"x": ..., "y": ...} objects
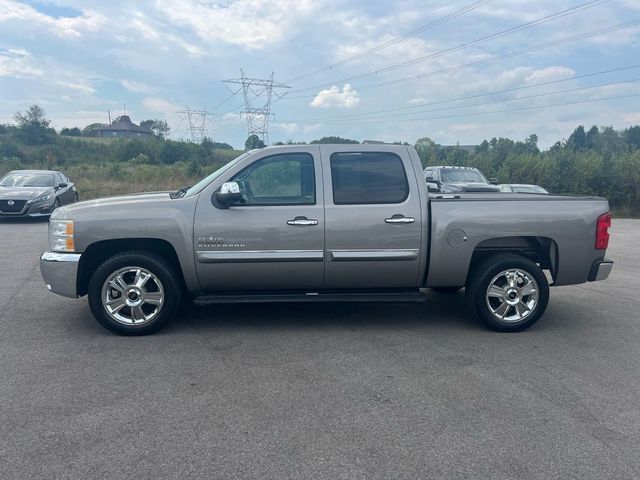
[{"x": 314, "y": 223}]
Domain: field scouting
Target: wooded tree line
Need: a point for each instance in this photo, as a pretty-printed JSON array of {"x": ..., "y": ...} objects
[{"x": 599, "y": 161}]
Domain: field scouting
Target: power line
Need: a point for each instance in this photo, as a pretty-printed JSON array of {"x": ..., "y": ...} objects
[
  {"x": 518, "y": 28},
  {"x": 374, "y": 120},
  {"x": 478, "y": 95},
  {"x": 520, "y": 109},
  {"x": 493, "y": 59},
  {"x": 396, "y": 40}
]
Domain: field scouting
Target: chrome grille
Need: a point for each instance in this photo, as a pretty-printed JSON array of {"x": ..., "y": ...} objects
[{"x": 12, "y": 206}]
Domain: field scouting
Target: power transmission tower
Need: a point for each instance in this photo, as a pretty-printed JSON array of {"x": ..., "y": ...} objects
[
  {"x": 197, "y": 123},
  {"x": 257, "y": 102}
]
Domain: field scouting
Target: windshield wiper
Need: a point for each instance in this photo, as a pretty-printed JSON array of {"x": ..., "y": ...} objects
[{"x": 180, "y": 193}]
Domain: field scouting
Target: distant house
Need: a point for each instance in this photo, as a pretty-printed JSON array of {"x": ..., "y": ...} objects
[{"x": 124, "y": 127}]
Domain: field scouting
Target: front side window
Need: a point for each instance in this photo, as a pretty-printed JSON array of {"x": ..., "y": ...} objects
[
  {"x": 368, "y": 177},
  {"x": 285, "y": 179}
]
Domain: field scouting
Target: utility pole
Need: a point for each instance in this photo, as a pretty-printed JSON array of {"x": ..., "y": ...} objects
[
  {"x": 197, "y": 123},
  {"x": 257, "y": 102}
]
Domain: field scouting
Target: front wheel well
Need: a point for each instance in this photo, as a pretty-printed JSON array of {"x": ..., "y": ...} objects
[{"x": 96, "y": 253}]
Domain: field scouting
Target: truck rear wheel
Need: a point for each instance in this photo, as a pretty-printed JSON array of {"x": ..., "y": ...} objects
[
  {"x": 508, "y": 292},
  {"x": 134, "y": 293}
]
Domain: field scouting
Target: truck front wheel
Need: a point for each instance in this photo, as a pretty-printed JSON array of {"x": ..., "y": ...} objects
[
  {"x": 508, "y": 292},
  {"x": 134, "y": 293}
]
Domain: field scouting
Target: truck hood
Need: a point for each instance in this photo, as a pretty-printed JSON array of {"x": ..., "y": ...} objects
[
  {"x": 473, "y": 187},
  {"x": 122, "y": 202},
  {"x": 23, "y": 193}
]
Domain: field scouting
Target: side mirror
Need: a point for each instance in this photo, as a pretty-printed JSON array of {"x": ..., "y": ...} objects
[
  {"x": 228, "y": 195},
  {"x": 494, "y": 181},
  {"x": 433, "y": 185},
  {"x": 62, "y": 185}
]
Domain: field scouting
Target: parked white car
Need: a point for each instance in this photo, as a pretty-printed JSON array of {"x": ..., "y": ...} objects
[{"x": 521, "y": 188}]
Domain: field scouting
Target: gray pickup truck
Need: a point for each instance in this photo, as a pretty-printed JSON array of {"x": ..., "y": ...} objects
[{"x": 312, "y": 223}]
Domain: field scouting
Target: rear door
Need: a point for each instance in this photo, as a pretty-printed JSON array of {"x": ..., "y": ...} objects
[
  {"x": 373, "y": 219},
  {"x": 275, "y": 239}
]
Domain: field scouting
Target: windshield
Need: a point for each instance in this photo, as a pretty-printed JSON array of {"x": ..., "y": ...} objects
[
  {"x": 464, "y": 175},
  {"x": 27, "y": 180},
  {"x": 207, "y": 180}
]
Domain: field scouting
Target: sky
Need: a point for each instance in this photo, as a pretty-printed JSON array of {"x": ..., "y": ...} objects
[{"x": 456, "y": 71}]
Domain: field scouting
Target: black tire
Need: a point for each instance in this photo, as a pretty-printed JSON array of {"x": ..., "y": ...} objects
[
  {"x": 56, "y": 204},
  {"x": 481, "y": 279},
  {"x": 164, "y": 273},
  {"x": 446, "y": 290},
  {"x": 76, "y": 197}
]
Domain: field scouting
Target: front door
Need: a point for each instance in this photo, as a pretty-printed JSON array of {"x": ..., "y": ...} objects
[
  {"x": 274, "y": 240},
  {"x": 373, "y": 220}
]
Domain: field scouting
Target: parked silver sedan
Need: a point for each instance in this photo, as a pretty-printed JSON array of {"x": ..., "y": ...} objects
[
  {"x": 34, "y": 193},
  {"x": 521, "y": 188}
]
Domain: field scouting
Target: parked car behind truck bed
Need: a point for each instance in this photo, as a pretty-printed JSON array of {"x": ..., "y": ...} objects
[
  {"x": 322, "y": 223},
  {"x": 443, "y": 179}
]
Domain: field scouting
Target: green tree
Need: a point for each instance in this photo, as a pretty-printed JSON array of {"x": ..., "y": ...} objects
[
  {"x": 33, "y": 126},
  {"x": 253, "y": 141},
  {"x": 71, "y": 132},
  {"x": 160, "y": 128},
  {"x": 92, "y": 130},
  {"x": 427, "y": 150},
  {"x": 334, "y": 140}
]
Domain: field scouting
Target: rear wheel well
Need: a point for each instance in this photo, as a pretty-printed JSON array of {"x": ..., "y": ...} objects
[
  {"x": 96, "y": 253},
  {"x": 541, "y": 250}
]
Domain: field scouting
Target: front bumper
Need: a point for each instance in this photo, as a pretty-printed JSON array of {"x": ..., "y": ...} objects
[
  {"x": 41, "y": 210},
  {"x": 600, "y": 270},
  {"x": 60, "y": 272}
]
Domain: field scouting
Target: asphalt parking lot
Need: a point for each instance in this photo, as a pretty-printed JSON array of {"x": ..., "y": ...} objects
[{"x": 329, "y": 391}]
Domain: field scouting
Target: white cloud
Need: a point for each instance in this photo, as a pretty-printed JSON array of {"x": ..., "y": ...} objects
[
  {"x": 79, "y": 86},
  {"x": 333, "y": 97},
  {"x": 69, "y": 27},
  {"x": 160, "y": 105},
  {"x": 159, "y": 34},
  {"x": 254, "y": 24},
  {"x": 418, "y": 101},
  {"x": 17, "y": 63},
  {"x": 549, "y": 74},
  {"x": 632, "y": 117},
  {"x": 136, "y": 87}
]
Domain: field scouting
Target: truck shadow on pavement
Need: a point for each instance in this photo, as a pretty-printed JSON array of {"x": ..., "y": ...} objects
[{"x": 440, "y": 311}]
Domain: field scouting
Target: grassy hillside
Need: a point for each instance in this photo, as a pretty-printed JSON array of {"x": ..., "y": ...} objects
[{"x": 105, "y": 166}]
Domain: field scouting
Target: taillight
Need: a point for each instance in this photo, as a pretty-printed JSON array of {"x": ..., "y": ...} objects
[{"x": 602, "y": 231}]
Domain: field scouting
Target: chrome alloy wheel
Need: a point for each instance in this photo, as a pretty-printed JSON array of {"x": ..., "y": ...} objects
[
  {"x": 132, "y": 295},
  {"x": 512, "y": 295}
]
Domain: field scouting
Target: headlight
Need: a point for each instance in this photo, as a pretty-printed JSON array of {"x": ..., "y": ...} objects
[
  {"x": 44, "y": 198},
  {"x": 61, "y": 236}
]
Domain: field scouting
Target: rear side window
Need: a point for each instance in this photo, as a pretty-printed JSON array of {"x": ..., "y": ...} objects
[{"x": 368, "y": 177}]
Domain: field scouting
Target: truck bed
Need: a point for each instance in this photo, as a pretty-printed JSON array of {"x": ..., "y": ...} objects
[{"x": 462, "y": 223}]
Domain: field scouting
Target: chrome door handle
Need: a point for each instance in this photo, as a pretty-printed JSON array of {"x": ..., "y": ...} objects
[
  {"x": 302, "y": 221},
  {"x": 399, "y": 219}
]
